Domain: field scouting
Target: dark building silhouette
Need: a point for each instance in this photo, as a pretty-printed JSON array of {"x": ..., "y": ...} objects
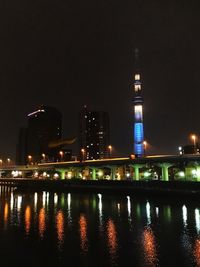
[
  {"x": 44, "y": 126},
  {"x": 94, "y": 134}
]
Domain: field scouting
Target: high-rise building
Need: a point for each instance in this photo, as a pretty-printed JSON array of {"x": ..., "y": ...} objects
[
  {"x": 94, "y": 134},
  {"x": 44, "y": 127},
  {"x": 138, "y": 112}
]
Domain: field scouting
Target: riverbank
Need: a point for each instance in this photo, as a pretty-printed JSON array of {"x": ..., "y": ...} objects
[{"x": 148, "y": 187}]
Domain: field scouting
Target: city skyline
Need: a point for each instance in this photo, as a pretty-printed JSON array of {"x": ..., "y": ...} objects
[{"x": 67, "y": 61}]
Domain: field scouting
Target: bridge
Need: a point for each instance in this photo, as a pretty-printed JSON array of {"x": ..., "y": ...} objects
[{"x": 158, "y": 167}]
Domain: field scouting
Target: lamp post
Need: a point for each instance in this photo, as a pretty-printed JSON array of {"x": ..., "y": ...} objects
[
  {"x": 83, "y": 154},
  {"x": 29, "y": 159},
  {"x": 110, "y": 150},
  {"x": 1, "y": 162},
  {"x": 194, "y": 142},
  {"x": 8, "y": 160},
  {"x": 61, "y": 153},
  {"x": 145, "y": 147},
  {"x": 43, "y": 156}
]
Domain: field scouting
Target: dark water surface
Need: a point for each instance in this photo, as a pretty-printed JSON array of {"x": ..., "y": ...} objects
[{"x": 73, "y": 229}]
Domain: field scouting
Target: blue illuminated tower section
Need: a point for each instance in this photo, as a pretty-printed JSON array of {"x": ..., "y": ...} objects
[{"x": 138, "y": 112}]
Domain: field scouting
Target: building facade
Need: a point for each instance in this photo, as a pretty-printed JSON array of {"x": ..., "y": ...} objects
[{"x": 94, "y": 134}]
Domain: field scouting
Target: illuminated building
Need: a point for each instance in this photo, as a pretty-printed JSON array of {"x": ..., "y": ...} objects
[
  {"x": 93, "y": 134},
  {"x": 138, "y": 112}
]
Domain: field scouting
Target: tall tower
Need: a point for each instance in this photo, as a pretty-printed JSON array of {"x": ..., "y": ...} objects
[{"x": 138, "y": 111}]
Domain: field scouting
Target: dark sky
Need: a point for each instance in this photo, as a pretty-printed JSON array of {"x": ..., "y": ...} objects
[{"x": 67, "y": 53}]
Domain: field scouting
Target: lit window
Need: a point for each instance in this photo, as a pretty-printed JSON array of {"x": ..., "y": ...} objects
[
  {"x": 137, "y": 87},
  {"x": 137, "y": 76}
]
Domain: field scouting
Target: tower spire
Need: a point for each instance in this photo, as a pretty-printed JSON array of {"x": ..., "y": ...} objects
[{"x": 138, "y": 110}]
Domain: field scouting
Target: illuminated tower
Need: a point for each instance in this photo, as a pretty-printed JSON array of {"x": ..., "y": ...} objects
[{"x": 138, "y": 111}]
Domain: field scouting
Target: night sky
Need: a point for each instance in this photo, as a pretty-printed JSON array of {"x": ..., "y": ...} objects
[{"x": 67, "y": 53}]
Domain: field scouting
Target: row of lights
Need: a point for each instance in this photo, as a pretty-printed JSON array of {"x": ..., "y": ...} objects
[
  {"x": 110, "y": 149},
  {"x": 83, "y": 150},
  {"x": 30, "y": 158},
  {"x": 7, "y": 161}
]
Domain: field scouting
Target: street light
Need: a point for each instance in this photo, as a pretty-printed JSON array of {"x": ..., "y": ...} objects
[
  {"x": 61, "y": 155},
  {"x": 44, "y": 156},
  {"x": 29, "y": 159},
  {"x": 83, "y": 153},
  {"x": 1, "y": 161},
  {"x": 145, "y": 147},
  {"x": 110, "y": 150},
  {"x": 194, "y": 142},
  {"x": 8, "y": 160}
]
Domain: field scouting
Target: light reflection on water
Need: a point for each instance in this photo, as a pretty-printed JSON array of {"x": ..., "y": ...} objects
[
  {"x": 118, "y": 229},
  {"x": 27, "y": 219},
  {"x": 42, "y": 222},
  {"x": 5, "y": 214},
  {"x": 197, "y": 252},
  {"x": 112, "y": 239},
  {"x": 60, "y": 227},
  {"x": 149, "y": 246},
  {"x": 83, "y": 233}
]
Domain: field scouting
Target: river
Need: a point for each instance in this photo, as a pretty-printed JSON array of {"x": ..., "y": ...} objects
[{"x": 81, "y": 229}]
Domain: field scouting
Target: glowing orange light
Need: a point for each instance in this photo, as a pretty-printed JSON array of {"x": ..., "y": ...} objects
[
  {"x": 132, "y": 156},
  {"x": 61, "y": 154},
  {"x": 6, "y": 213},
  {"x": 60, "y": 226},
  {"x": 196, "y": 252},
  {"x": 112, "y": 238},
  {"x": 83, "y": 232},
  {"x": 193, "y": 136},
  {"x": 42, "y": 223},
  {"x": 149, "y": 245},
  {"x": 27, "y": 219}
]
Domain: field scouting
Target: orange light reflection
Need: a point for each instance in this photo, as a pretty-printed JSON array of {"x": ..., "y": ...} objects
[
  {"x": 83, "y": 233},
  {"x": 149, "y": 245},
  {"x": 42, "y": 223},
  {"x": 6, "y": 213},
  {"x": 60, "y": 226},
  {"x": 196, "y": 252},
  {"x": 27, "y": 219},
  {"x": 112, "y": 238}
]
